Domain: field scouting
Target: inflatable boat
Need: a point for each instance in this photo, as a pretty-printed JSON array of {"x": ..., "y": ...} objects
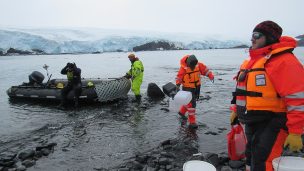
[{"x": 94, "y": 89}]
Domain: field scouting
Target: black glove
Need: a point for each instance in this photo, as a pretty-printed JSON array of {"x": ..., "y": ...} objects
[
  {"x": 177, "y": 87},
  {"x": 128, "y": 76}
]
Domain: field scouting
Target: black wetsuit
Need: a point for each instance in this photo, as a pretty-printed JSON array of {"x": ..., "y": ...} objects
[{"x": 74, "y": 83}]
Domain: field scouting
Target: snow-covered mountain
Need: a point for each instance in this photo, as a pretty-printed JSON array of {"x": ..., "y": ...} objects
[{"x": 97, "y": 40}]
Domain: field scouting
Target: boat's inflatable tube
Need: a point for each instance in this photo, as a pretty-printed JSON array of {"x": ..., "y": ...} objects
[{"x": 101, "y": 90}]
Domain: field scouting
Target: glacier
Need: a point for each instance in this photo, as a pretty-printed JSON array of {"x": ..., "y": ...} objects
[{"x": 56, "y": 41}]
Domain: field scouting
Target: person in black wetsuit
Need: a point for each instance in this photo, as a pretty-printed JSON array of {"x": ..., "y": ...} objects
[{"x": 74, "y": 83}]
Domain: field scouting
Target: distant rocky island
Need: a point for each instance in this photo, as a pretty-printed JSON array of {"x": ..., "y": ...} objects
[
  {"x": 13, "y": 52},
  {"x": 157, "y": 45},
  {"x": 300, "y": 40}
]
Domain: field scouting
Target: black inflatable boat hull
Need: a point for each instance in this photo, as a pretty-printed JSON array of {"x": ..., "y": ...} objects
[{"x": 102, "y": 90}]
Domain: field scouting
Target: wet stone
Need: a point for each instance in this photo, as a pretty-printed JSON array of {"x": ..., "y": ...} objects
[
  {"x": 48, "y": 146},
  {"x": 226, "y": 168},
  {"x": 7, "y": 163},
  {"x": 123, "y": 169},
  {"x": 222, "y": 129},
  {"x": 236, "y": 163},
  {"x": 28, "y": 153},
  {"x": 101, "y": 169},
  {"x": 223, "y": 159},
  {"x": 137, "y": 165},
  {"x": 213, "y": 159},
  {"x": 163, "y": 103},
  {"x": 7, "y": 156},
  {"x": 167, "y": 154},
  {"x": 165, "y": 109},
  {"x": 21, "y": 168},
  {"x": 150, "y": 169},
  {"x": 168, "y": 167},
  {"x": 45, "y": 152},
  {"x": 211, "y": 132},
  {"x": 141, "y": 159},
  {"x": 35, "y": 138},
  {"x": 164, "y": 161},
  {"x": 29, "y": 163}
]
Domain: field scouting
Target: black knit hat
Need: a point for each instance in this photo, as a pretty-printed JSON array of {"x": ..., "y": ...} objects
[
  {"x": 270, "y": 29},
  {"x": 191, "y": 61}
]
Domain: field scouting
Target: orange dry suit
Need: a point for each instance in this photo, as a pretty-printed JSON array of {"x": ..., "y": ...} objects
[
  {"x": 270, "y": 96},
  {"x": 191, "y": 81}
]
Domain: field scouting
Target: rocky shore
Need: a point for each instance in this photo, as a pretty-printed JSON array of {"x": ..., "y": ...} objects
[{"x": 168, "y": 155}]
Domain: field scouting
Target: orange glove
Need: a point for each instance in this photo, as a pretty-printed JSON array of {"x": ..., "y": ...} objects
[
  {"x": 294, "y": 142},
  {"x": 211, "y": 77}
]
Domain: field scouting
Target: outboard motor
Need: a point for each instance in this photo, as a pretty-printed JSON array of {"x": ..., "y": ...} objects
[{"x": 36, "y": 77}]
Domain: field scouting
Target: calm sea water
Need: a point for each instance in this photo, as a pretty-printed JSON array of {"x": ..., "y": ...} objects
[{"x": 113, "y": 132}]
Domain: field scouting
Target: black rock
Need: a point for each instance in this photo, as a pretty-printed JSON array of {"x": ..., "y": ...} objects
[
  {"x": 137, "y": 165},
  {"x": 38, "y": 154},
  {"x": 21, "y": 168},
  {"x": 150, "y": 169},
  {"x": 226, "y": 168},
  {"x": 210, "y": 132},
  {"x": 167, "y": 142},
  {"x": 123, "y": 169},
  {"x": 154, "y": 91},
  {"x": 165, "y": 109},
  {"x": 7, "y": 163},
  {"x": 236, "y": 163},
  {"x": 28, "y": 153},
  {"x": 7, "y": 156},
  {"x": 45, "y": 152},
  {"x": 141, "y": 159},
  {"x": 164, "y": 161},
  {"x": 49, "y": 146},
  {"x": 28, "y": 163},
  {"x": 213, "y": 159}
]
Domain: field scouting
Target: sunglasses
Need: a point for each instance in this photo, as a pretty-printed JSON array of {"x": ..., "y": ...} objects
[{"x": 257, "y": 35}]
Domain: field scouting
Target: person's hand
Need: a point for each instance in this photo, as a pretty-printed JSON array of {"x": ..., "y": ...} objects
[
  {"x": 211, "y": 77},
  {"x": 294, "y": 142},
  {"x": 128, "y": 76},
  {"x": 233, "y": 118}
]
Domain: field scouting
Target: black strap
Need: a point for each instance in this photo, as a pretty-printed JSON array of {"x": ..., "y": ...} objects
[
  {"x": 240, "y": 92},
  {"x": 252, "y": 70}
]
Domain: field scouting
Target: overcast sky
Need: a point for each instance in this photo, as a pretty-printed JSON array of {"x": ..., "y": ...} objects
[{"x": 233, "y": 18}]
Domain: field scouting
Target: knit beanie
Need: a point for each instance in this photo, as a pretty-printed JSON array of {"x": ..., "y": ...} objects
[{"x": 270, "y": 29}]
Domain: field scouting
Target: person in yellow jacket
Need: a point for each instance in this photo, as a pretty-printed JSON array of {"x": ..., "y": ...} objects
[
  {"x": 269, "y": 97},
  {"x": 136, "y": 74}
]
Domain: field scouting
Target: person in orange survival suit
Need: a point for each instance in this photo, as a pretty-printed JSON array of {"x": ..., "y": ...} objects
[
  {"x": 269, "y": 97},
  {"x": 189, "y": 76}
]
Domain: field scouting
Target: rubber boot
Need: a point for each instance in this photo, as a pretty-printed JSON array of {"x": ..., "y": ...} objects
[
  {"x": 62, "y": 104},
  {"x": 76, "y": 102},
  {"x": 192, "y": 119},
  {"x": 137, "y": 98}
]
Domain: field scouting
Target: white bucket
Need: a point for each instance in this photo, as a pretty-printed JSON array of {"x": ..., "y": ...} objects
[
  {"x": 288, "y": 163},
  {"x": 197, "y": 165},
  {"x": 181, "y": 98}
]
